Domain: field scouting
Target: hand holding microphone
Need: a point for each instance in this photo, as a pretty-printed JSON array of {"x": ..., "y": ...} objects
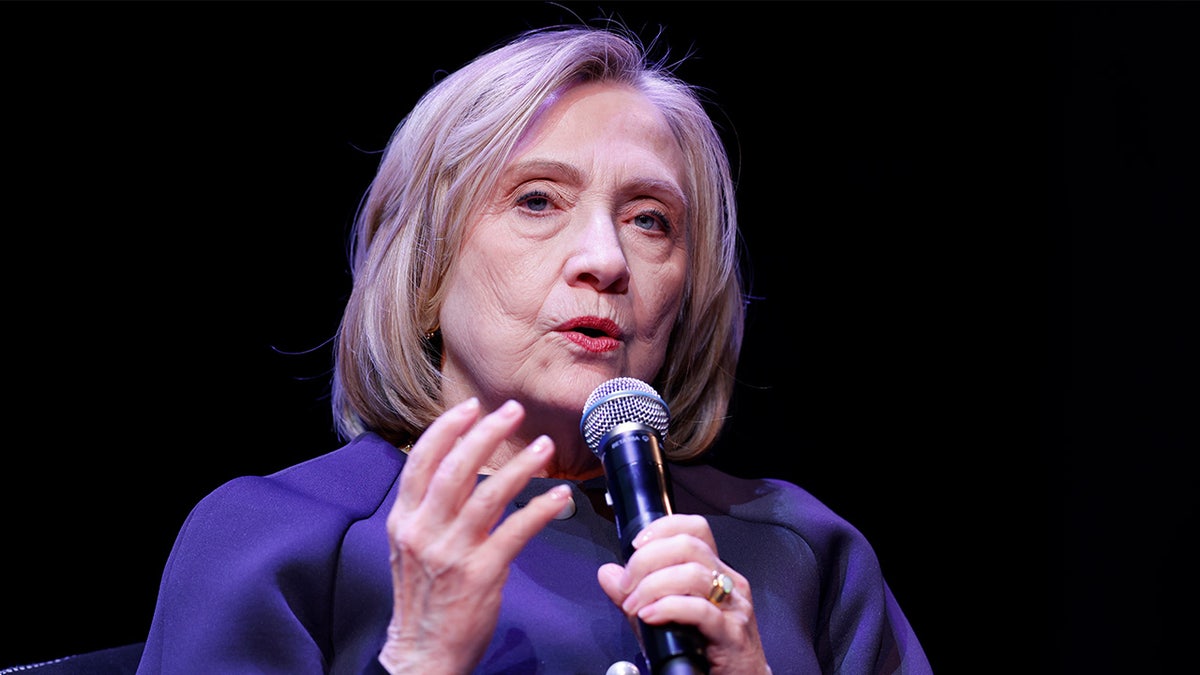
[
  {"x": 624, "y": 422},
  {"x": 678, "y": 572}
]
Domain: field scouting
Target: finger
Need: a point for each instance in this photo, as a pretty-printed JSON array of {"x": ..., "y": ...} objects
[
  {"x": 675, "y": 524},
  {"x": 518, "y": 528},
  {"x": 429, "y": 450},
  {"x": 690, "y": 578},
  {"x": 456, "y": 474},
  {"x": 487, "y": 503},
  {"x": 715, "y": 620},
  {"x": 610, "y": 576},
  {"x": 689, "y": 610},
  {"x": 666, "y": 552}
]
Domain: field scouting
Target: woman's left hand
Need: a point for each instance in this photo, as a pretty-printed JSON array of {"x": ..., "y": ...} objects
[{"x": 669, "y": 578}]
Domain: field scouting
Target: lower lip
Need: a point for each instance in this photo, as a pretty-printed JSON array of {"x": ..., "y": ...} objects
[{"x": 593, "y": 344}]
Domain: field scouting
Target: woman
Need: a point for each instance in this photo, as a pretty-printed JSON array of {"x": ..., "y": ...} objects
[{"x": 555, "y": 214}]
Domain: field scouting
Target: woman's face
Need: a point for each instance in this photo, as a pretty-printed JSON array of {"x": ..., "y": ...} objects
[{"x": 572, "y": 272}]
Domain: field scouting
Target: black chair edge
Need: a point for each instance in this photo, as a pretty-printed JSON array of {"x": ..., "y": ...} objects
[{"x": 122, "y": 660}]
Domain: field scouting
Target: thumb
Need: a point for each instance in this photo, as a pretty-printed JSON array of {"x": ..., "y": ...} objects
[{"x": 610, "y": 576}]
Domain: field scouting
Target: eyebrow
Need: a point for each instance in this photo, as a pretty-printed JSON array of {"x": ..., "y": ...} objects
[{"x": 539, "y": 167}]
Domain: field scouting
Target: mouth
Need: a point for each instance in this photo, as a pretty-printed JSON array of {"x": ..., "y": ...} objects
[{"x": 593, "y": 333}]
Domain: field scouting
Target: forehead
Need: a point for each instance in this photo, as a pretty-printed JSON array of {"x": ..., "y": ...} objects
[{"x": 592, "y": 109}]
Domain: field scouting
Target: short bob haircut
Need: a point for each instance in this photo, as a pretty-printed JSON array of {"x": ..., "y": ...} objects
[{"x": 445, "y": 156}]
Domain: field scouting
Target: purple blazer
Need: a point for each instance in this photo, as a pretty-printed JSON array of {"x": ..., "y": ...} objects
[{"x": 288, "y": 574}]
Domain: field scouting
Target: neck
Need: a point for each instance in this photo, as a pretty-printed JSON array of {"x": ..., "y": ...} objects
[{"x": 572, "y": 461}]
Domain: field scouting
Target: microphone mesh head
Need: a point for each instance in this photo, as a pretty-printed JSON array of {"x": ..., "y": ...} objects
[{"x": 620, "y": 400}]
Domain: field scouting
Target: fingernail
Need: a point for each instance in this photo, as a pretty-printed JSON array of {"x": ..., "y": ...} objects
[
  {"x": 560, "y": 493},
  {"x": 643, "y": 537},
  {"x": 540, "y": 445},
  {"x": 509, "y": 409}
]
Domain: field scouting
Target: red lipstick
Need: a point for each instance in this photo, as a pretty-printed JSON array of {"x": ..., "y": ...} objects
[{"x": 592, "y": 333}]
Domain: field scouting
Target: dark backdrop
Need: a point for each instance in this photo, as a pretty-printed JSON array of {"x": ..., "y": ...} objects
[{"x": 969, "y": 226}]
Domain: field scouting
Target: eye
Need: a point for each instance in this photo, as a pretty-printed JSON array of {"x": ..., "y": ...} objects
[
  {"x": 652, "y": 219},
  {"x": 537, "y": 201}
]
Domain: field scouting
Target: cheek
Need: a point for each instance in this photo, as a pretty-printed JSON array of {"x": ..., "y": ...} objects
[
  {"x": 471, "y": 303},
  {"x": 658, "y": 309},
  {"x": 662, "y": 301},
  {"x": 492, "y": 289}
]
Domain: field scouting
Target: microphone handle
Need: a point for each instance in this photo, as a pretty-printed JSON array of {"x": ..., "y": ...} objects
[
  {"x": 684, "y": 643},
  {"x": 640, "y": 493},
  {"x": 680, "y": 665},
  {"x": 638, "y": 490}
]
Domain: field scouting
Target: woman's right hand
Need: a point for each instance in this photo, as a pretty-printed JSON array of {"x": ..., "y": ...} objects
[{"x": 448, "y": 564}]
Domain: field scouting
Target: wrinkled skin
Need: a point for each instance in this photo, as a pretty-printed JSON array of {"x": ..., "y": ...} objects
[{"x": 571, "y": 274}]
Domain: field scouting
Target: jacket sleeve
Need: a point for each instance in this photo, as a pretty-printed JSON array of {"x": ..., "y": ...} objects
[
  {"x": 860, "y": 627},
  {"x": 865, "y": 630},
  {"x": 249, "y": 584}
]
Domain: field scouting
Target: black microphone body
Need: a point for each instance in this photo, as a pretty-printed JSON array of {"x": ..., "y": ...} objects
[
  {"x": 636, "y": 479},
  {"x": 639, "y": 490}
]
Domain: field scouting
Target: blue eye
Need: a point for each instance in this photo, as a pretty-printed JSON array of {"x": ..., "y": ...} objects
[
  {"x": 650, "y": 220},
  {"x": 535, "y": 201}
]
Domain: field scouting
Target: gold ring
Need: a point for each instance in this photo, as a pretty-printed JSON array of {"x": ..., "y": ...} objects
[{"x": 722, "y": 586}]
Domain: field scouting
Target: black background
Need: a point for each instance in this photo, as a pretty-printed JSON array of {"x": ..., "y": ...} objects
[{"x": 970, "y": 227}]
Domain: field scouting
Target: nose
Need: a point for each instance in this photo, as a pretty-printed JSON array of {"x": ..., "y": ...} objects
[{"x": 597, "y": 258}]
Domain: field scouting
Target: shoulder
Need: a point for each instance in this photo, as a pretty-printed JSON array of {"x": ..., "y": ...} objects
[
  {"x": 780, "y": 505},
  {"x": 259, "y": 556},
  {"x": 796, "y": 548},
  {"x": 297, "y": 518},
  {"x": 750, "y": 498},
  {"x": 347, "y": 484},
  {"x": 363, "y": 469}
]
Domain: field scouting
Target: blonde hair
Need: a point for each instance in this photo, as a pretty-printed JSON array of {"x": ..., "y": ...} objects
[{"x": 445, "y": 155}]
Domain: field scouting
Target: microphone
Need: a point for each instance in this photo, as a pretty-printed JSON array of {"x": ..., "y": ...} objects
[{"x": 624, "y": 423}]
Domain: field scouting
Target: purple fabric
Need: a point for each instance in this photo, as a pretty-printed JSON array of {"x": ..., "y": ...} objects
[{"x": 288, "y": 573}]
